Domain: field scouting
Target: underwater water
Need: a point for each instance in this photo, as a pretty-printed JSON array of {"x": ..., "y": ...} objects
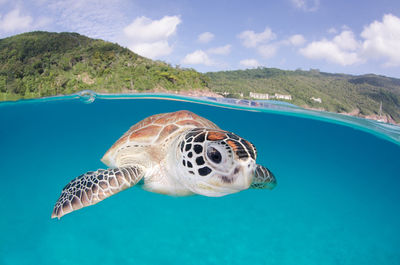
[{"x": 336, "y": 202}]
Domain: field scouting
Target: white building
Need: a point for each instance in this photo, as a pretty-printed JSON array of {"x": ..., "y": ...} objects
[
  {"x": 279, "y": 96},
  {"x": 259, "y": 95}
]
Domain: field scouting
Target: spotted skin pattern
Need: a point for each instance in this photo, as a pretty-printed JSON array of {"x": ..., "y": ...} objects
[
  {"x": 92, "y": 187},
  {"x": 194, "y": 150}
]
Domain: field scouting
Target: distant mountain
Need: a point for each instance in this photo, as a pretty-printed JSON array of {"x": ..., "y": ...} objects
[
  {"x": 41, "y": 64},
  {"x": 356, "y": 95}
]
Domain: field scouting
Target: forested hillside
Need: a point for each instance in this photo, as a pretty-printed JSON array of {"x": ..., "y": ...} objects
[
  {"x": 338, "y": 92},
  {"x": 41, "y": 64}
]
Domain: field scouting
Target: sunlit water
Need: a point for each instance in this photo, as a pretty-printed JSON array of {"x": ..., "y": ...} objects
[{"x": 337, "y": 199}]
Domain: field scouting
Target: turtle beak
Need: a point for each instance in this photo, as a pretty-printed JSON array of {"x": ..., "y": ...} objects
[{"x": 263, "y": 178}]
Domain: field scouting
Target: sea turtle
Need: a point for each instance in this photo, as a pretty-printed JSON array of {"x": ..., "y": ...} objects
[{"x": 177, "y": 154}]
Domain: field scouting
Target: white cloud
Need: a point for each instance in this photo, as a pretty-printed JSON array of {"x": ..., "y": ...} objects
[
  {"x": 205, "y": 37},
  {"x": 250, "y": 63},
  {"x": 150, "y": 37},
  {"x": 152, "y": 49},
  {"x": 250, "y": 39},
  {"x": 223, "y": 50},
  {"x": 382, "y": 40},
  {"x": 329, "y": 51},
  {"x": 261, "y": 42},
  {"x": 197, "y": 57},
  {"x": 14, "y": 21},
  {"x": 332, "y": 30},
  {"x": 342, "y": 49},
  {"x": 306, "y": 5},
  {"x": 297, "y": 40},
  {"x": 203, "y": 57},
  {"x": 346, "y": 41},
  {"x": 267, "y": 51},
  {"x": 143, "y": 29}
]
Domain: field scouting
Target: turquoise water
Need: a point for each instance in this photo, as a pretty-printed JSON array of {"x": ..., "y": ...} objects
[{"x": 337, "y": 199}]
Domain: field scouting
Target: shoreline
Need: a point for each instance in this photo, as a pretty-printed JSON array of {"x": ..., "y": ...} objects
[
  {"x": 207, "y": 93},
  {"x": 355, "y": 113}
]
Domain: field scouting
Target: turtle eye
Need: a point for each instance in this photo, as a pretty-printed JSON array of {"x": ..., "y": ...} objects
[{"x": 214, "y": 155}]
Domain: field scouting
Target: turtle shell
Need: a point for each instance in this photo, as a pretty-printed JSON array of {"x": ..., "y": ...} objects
[{"x": 156, "y": 129}]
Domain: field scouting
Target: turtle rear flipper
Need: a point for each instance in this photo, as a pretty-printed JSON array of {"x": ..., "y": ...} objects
[
  {"x": 93, "y": 187},
  {"x": 263, "y": 179}
]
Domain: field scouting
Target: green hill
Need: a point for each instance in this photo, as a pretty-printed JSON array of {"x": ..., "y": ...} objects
[
  {"x": 338, "y": 92},
  {"x": 41, "y": 64}
]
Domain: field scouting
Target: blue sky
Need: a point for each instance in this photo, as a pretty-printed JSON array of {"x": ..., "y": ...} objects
[{"x": 354, "y": 37}]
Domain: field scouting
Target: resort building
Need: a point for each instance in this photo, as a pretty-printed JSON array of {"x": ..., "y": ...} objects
[
  {"x": 279, "y": 96},
  {"x": 259, "y": 95},
  {"x": 267, "y": 96}
]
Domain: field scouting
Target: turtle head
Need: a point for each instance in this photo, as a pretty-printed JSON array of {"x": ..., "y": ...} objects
[{"x": 215, "y": 162}]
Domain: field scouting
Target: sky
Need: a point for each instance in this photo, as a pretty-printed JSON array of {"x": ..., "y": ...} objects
[{"x": 341, "y": 36}]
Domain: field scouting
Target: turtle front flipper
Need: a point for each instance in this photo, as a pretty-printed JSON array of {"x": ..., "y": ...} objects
[
  {"x": 263, "y": 179},
  {"x": 93, "y": 187}
]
